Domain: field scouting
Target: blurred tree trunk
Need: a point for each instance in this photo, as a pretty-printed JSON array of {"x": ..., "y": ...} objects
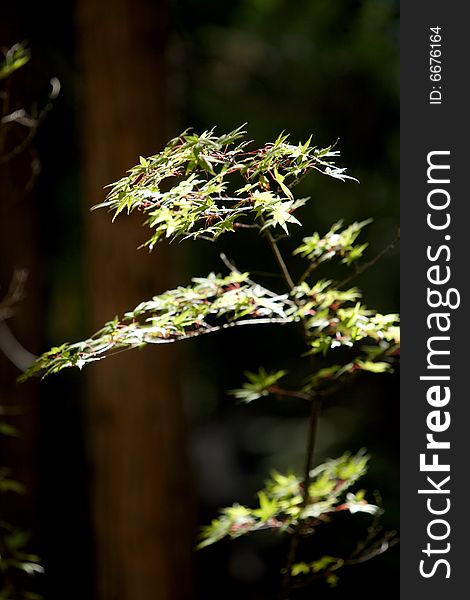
[{"x": 140, "y": 503}]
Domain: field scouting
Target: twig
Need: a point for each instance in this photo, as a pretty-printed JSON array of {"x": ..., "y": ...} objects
[
  {"x": 245, "y": 226},
  {"x": 9, "y": 345},
  {"x": 14, "y": 295},
  {"x": 371, "y": 263},
  {"x": 387, "y": 541},
  {"x": 229, "y": 264},
  {"x": 192, "y": 334},
  {"x": 309, "y": 270},
  {"x": 32, "y": 123},
  {"x": 280, "y": 261},
  {"x": 13, "y": 350},
  {"x": 278, "y": 391}
]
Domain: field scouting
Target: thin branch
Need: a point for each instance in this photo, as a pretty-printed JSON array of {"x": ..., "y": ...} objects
[
  {"x": 315, "y": 412},
  {"x": 246, "y": 226},
  {"x": 9, "y": 345},
  {"x": 371, "y": 263},
  {"x": 21, "y": 117},
  {"x": 280, "y": 261},
  {"x": 229, "y": 264},
  {"x": 13, "y": 350},
  {"x": 387, "y": 541},
  {"x": 340, "y": 384},
  {"x": 216, "y": 328},
  {"x": 14, "y": 295},
  {"x": 192, "y": 334},
  {"x": 29, "y": 121},
  {"x": 278, "y": 391},
  {"x": 309, "y": 270}
]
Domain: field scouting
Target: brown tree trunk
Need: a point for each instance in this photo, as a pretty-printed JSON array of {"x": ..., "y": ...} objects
[{"x": 141, "y": 507}]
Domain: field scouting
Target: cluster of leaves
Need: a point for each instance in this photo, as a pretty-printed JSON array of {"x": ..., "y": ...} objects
[
  {"x": 199, "y": 170},
  {"x": 336, "y": 243},
  {"x": 258, "y": 385},
  {"x": 283, "y": 504}
]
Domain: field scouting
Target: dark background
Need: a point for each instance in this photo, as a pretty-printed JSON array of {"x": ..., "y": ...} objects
[{"x": 326, "y": 67}]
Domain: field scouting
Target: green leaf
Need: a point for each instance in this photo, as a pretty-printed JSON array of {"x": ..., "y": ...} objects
[
  {"x": 280, "y": 180},
  {"x": 11, "y": 485},
  {"x": 300, "y": 569},
  {"x": 9, "y": 430},
  {"x": 14, "y": 58},
  {"x": 258, "y": 385},
  {"x": 332, "y": 580},
  {"x": 267, "y": 507},
  {"x": 325, "y": 562},
  {"x": 373, "y": 367},
  {"x": 30, "y": 568}
]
